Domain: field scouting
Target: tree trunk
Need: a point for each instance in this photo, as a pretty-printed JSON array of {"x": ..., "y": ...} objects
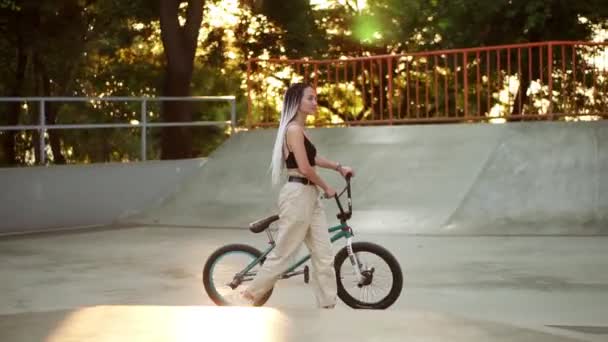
[
  {"x": 180, "y": 45},
  {"x": 54, "y": 135},
  {"x": 526, "y": 78},
  {"x": 11, "y": 118},
  {"x": 524, "y": 84},
  {"x": 519, "y": 102},
  {"x": 51, "y": 110}
]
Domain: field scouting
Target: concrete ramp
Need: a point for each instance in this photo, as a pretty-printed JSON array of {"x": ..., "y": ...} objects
[
  {"x": 517, "y": 178},
  {"x": 541, "y": 178}
]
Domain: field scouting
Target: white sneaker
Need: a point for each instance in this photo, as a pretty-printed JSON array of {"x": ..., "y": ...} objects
[{"x": 237, "y": 298}]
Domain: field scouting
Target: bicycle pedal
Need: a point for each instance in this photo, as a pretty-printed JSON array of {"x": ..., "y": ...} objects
[{"x": 306, "y": 275}]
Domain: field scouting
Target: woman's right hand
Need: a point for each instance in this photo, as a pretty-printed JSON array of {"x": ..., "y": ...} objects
[{"x": 330, "y": 192}]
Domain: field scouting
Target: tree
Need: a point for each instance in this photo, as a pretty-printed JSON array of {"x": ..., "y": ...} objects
[
  {"x": 55, "y": 45},
  {"x": 180, "y": 44},
  {"x": 14, "y": 25},
  {"x": 418, "y": 25},
  {"x": 115, "y": 48}
]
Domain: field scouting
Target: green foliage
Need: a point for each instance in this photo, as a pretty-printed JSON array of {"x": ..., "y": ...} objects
[
  {"x": 301, "y": 35},
  {"x": 365, "y": 28},
  {"x": 113, "y": 48},
  {"x": 9, "y": 4},
  {"x": 472, "y": 23}
]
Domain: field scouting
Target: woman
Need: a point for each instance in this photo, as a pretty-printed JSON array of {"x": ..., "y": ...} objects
[{"x": 302, "y": 218}]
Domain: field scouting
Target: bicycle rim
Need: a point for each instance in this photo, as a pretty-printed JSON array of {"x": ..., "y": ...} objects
[
  {"x": 381, "y": 278},
  {"x": 225, "y": 268}
]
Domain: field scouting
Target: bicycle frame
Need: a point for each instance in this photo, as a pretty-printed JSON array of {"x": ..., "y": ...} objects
[{"x": 343, "y": 231}]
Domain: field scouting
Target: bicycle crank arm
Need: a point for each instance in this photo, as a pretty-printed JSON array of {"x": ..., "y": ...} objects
[
  {"x": 292, "y": 274},
  {"x": 239, "y": 279},
  {"x": 305, "y": 272}
]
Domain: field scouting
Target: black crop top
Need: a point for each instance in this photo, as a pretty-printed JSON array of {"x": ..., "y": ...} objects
[{"x": 311, "y": 153}]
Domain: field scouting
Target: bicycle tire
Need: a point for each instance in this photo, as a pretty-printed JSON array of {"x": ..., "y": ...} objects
[
  {"x": 208, "y": 284},
  {"x": 386, "y": 256}
]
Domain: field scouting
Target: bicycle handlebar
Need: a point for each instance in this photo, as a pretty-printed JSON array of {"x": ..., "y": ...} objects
[{"x": 344, "y": 215}]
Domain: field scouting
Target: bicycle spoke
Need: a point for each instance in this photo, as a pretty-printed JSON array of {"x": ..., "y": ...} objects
[
  {"x": 370, "y": 294},
  {"x": 387, "y": 288},
  {"x": 227, "y": 268},
  {"x": 374, "y": 292},
  {"x": 365, "y": 294},
  {"x": 381, "y": 282}
]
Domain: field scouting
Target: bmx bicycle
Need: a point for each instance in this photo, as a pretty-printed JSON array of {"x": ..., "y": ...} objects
[{"x": 368, "y": 276}]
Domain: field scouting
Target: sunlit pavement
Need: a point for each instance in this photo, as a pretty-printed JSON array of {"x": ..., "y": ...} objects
[{"x": 144, "y": 284}]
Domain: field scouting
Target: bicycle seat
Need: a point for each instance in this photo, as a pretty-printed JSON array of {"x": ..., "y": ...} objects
[{"x": 261, "y": 225}]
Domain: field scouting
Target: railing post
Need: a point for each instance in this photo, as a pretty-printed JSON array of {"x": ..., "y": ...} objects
[
  {"x": 390, "y": 90},
  {"x": 41, "y": 132},
  {"x": 249, "y": 105},
  {"x": 465, "y": 76},
  {"x": 550, "y": 76},
  {"x": 316, "y": 76},
  {"x": 144, "y": 126},
  {"x": 232, "y": 115}
]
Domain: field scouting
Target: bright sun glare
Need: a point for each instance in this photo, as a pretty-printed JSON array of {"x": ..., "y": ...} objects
[{"x": 171, "y": 323}]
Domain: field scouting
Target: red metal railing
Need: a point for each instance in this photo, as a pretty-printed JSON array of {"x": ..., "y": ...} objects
[{"x": 535, "y": 81}]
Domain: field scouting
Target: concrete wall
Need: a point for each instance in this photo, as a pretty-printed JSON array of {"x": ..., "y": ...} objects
[
  {"x": 46, "y": 198},
  {"x": 519, "y": 178},
  {"x": 529, "y": 178}
]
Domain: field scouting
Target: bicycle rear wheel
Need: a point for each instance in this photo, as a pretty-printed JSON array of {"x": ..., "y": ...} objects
[
  {"x": 382, "y": 277},
  {"x": 222, "y": 269}
]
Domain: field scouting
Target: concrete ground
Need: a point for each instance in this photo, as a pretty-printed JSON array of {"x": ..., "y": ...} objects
[{"x": 144, "y": 284}]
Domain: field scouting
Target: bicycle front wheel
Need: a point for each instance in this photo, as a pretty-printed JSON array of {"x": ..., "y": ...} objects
[
  {"x": 221, "y": 275},
  {"x": 381, "y": 278}
]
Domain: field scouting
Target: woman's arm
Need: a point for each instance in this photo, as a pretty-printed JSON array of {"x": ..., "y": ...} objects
[{"x": 328, "y": 164}]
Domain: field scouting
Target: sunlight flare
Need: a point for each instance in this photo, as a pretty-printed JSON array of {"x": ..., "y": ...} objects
[{"x": 172, "y": 323}]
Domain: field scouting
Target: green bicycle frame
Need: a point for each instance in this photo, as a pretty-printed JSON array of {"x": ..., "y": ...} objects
[{"x": 342, "y": 233}]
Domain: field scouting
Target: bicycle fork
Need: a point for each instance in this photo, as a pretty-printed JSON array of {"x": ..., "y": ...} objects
[{"x": 353, "y": 258}]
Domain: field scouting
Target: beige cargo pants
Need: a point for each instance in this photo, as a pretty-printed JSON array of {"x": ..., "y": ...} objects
[{"x": 302, "y": 219}]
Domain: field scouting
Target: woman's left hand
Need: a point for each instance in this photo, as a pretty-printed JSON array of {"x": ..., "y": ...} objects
[{"x": 346, "y": 170}]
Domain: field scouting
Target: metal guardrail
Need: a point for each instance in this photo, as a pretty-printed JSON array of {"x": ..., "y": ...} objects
[
  {"x": 143, "y": 123},
  {"x": 457, "y": 85}
]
